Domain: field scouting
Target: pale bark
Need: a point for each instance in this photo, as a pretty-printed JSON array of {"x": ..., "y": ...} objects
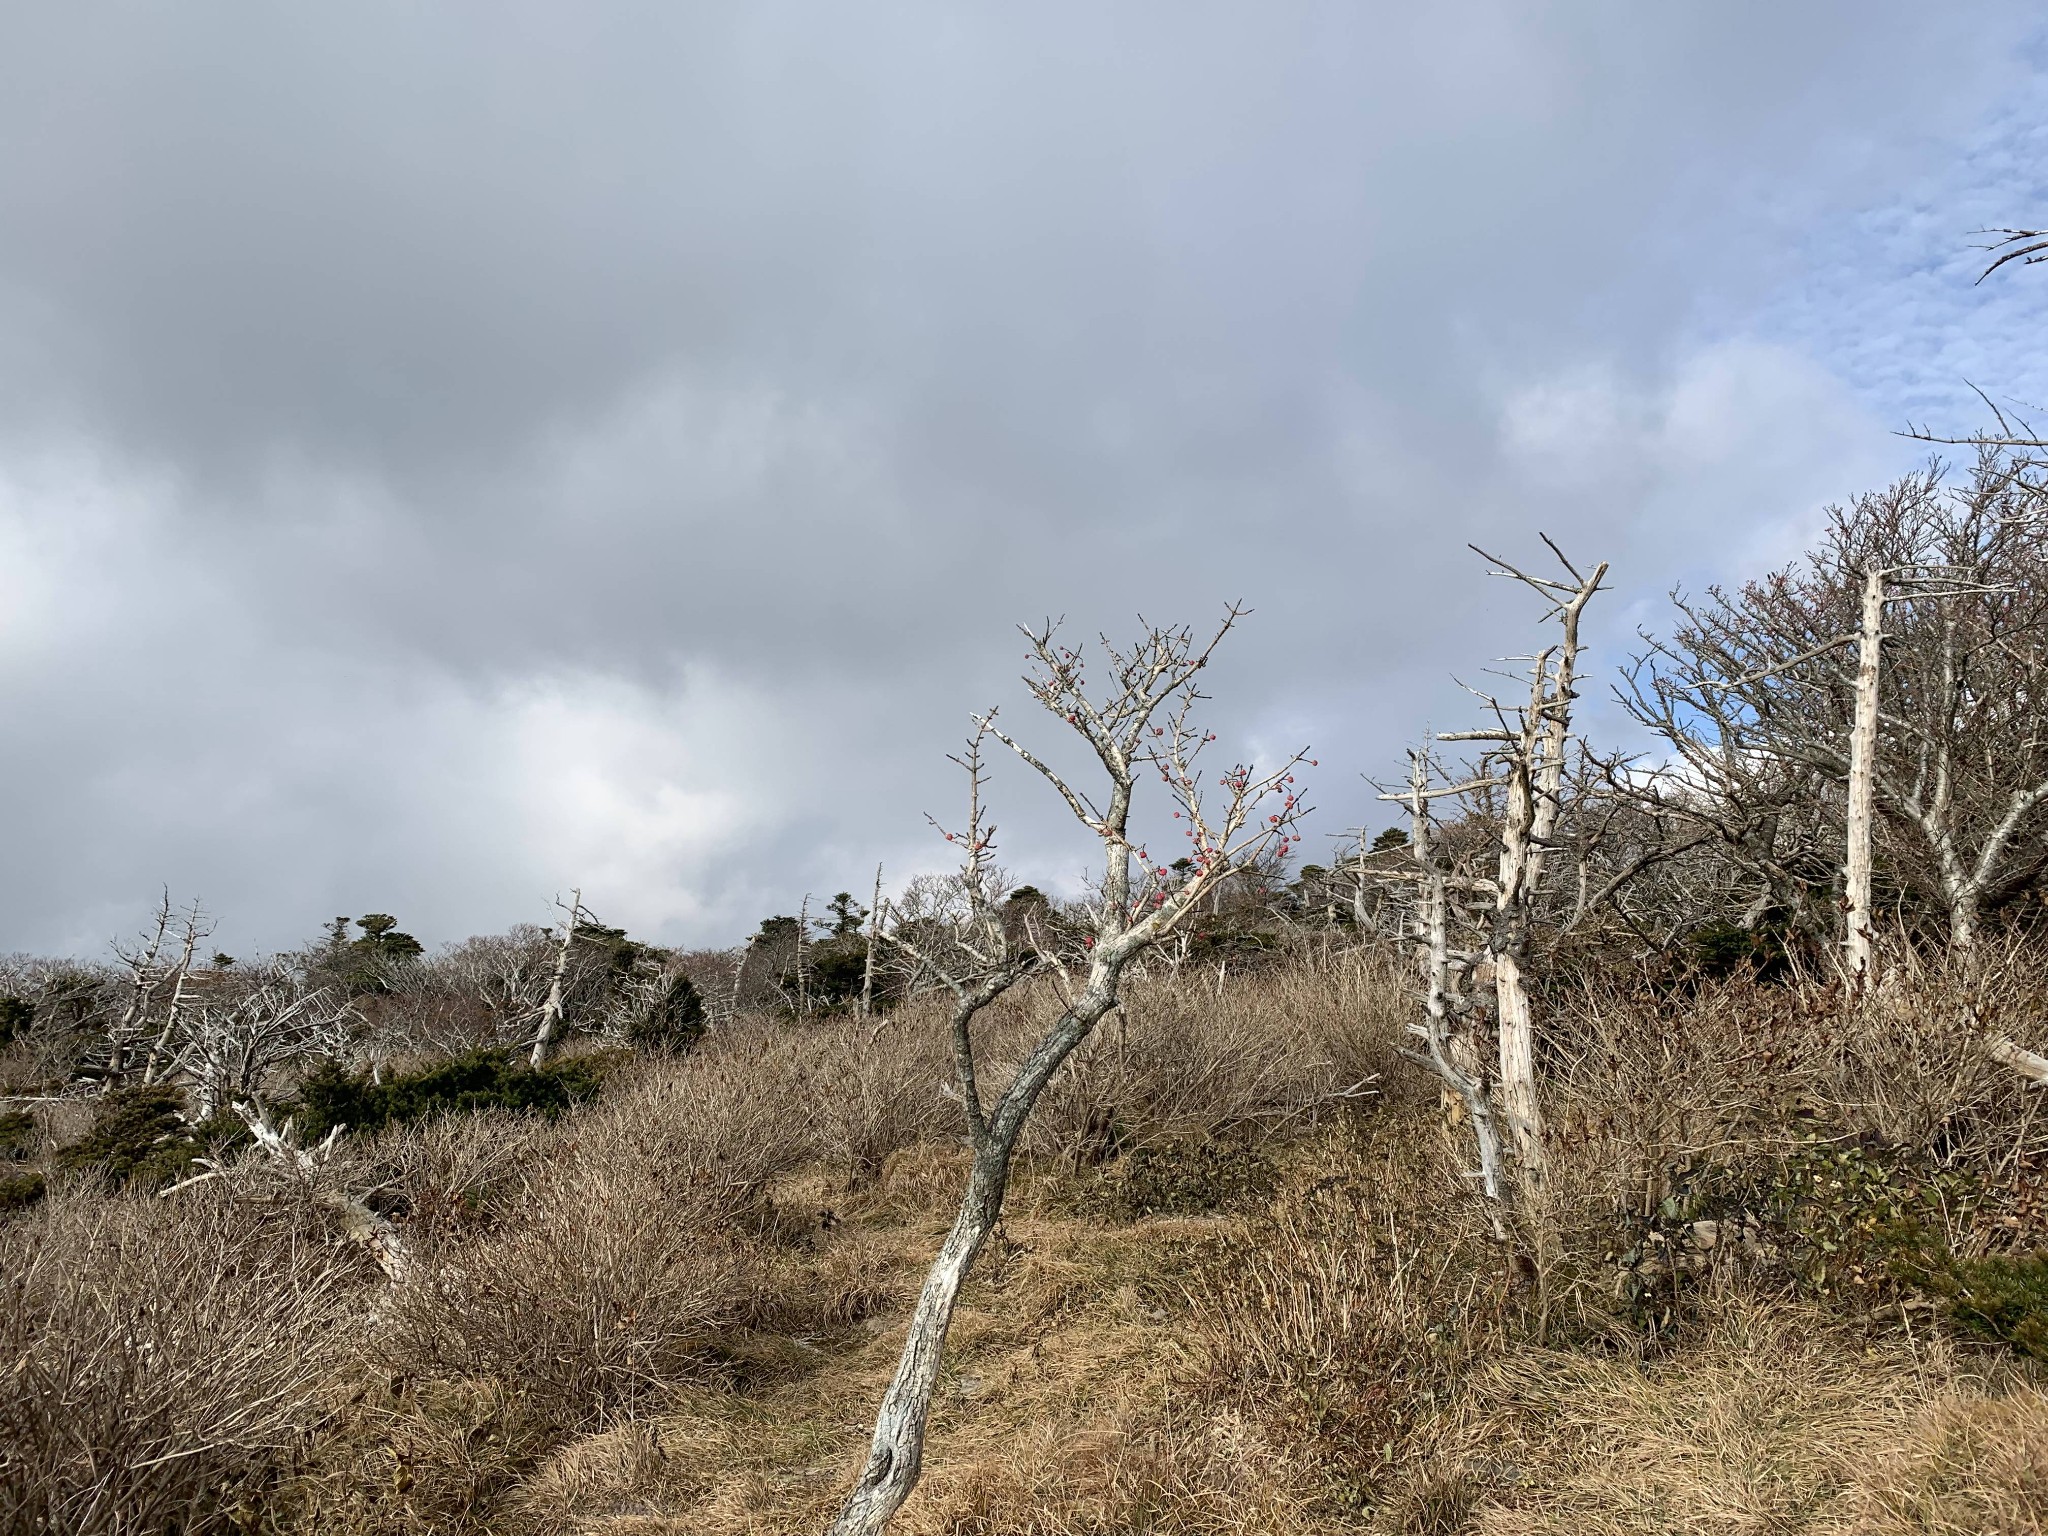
[
  {"x": 310, "y": 1170},
  {"x": 2028, "y": 1064},
  {"x": 896, "y": 1449},
  {"x": 1856, "y": 936},
  {"x": 160, "y": 1049},
  {"x": 144, "y": 980},
  {"x": 551, "y": 1010},
  {"x": 1535, "y": 774},
  {"x": 1450, "y": 1050},
  {"x": 803, "y": 958},
  {"x": 980, "y": 960},
  {"x": 867, "y": 969}
]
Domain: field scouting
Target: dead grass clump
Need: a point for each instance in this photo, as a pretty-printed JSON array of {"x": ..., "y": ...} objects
[
  {"x": 451, "y": 1176},
  {"x": 1186, "y": 1057},
  {"x": 713, "y": 1129},
  {"x": 1760, "y": 1424},
  {"x": 1126, "y": 1468},
  {"x": 1344, "y": 1320},
  {"x": 1649, "y": 1089},
  {"x": 414, "y": 1458},
  {"x": 1975, "y": 1466},
  {"x": 1860, "y": 1148},
  {"x": 162, "y": 1360},
  {"x": 871, "y": 1088}
]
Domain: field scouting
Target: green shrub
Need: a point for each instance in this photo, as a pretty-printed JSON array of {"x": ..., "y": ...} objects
[
  {"x": 2001, "y": 1297},
  {"x": 485, "y": 1079},
  {"x": 19, "y": 1189},
  {"x": 140, "y": 1136},
  {"x": 18, "y": 1136},
  {"x": 1722, "y": 949},
  {"x": 672, "y": 1023}
]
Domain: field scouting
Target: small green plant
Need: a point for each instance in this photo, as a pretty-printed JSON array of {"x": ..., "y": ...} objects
[
  {"x": 19, "y": 1189},
  {"x": 1850, "y": 1209},
  {"x": 1723, "y": 949},
  {"x": 18, "y": 1135},
  {"x": 17, "y": 1014},
  {"x": 2001, "y": 1297}
]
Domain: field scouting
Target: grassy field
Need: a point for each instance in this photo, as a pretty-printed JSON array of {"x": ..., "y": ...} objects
[{"x": 1787, "y": 1280}]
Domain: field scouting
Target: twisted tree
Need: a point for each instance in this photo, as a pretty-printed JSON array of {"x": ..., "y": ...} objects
[{"x": 1139, "y": 724}]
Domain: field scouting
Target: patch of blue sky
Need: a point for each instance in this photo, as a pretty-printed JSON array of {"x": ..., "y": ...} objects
[{"x": 1887, "y": 297}]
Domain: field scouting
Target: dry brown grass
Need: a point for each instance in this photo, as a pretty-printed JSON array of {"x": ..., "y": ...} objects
[
  {"x": 1773, "y": 1420},
  {"x": 674, "y": 1309}
]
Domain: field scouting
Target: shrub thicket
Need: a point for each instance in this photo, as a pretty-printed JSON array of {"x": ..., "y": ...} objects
[{"x": 331, "y": 1095}]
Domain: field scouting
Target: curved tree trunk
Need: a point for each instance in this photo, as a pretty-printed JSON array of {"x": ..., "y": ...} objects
[{"x": 896, "y": 1453}]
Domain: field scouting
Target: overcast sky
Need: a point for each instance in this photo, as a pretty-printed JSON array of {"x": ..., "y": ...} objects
[{"x": 453, "y": 453}]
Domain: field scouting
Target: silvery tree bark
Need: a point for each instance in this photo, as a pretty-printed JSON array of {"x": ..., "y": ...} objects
[
  {"x": 1861, "y": 798},
  {"x": 1140, "y": 723},
  {"x": 551, "y": 1010},
  {"x": 1524, "y": 760}
]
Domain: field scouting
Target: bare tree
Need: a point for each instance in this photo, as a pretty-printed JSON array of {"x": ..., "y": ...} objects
[
  {"x": 1448, "y": 1011},
  {"x": 1139, "y": 723},
  {"x": 144, "y": 964},
  {"x": 197, "y": 926},
  {"x": 803, "y": 958},
  {"x": 486, "y": 990},
  {"x": 244, "y": 1025},
  {"x": 151, "y": 974},
  {"x": 1524, "y": 762},
  {"x": 877, "y": 916},
  {"x": 1530, "y": 752},
  {"x": 551, "y": 1011},
  {"x": 1752, "y": 690}
]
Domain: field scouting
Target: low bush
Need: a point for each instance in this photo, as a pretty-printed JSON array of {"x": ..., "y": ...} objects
[
  {"x": 140, "y": 1137},
  {"x": 19, "y": 1189},
  {"x": 163, "y": 1359},
  {"x": 18, "y": 1135},
  {"x": 333, "y": 1096},
  {"x": 1341, "y": 1322},
  {"x": 672, "y": 1021},
  {"x": 1999, "y": 1297},
  {"x": 1186, "y": 1178}
]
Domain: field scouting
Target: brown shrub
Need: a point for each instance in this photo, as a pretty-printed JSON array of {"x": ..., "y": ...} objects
[
  {"x": 162, "y": 1359},
  {"x": 594, "y": 1291},
  {"x": 1186, "y": 1057}
]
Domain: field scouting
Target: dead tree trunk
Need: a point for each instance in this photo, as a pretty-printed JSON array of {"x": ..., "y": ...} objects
[
  {"x": 803, "y": 958},
  {"x": 896, "y": 1450},
  {"x": 867, "y": 969},
  {"x": 160, "y": 1049},
  {"x": 739, "y": 978},
  {"x": 144, "y": 979},
  {"x": 1445, "y": 1008},
  {"x": 1856, "y": 931},
  {"x": 551, "y": 1010},
  {"x": 1535, "y": 771},
  {"x": 1525, "y": 759},
  {"x": 2029, "y": 1064}
]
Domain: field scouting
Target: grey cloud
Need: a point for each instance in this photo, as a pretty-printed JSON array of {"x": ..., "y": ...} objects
[{"x": 442, "y": 355}]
